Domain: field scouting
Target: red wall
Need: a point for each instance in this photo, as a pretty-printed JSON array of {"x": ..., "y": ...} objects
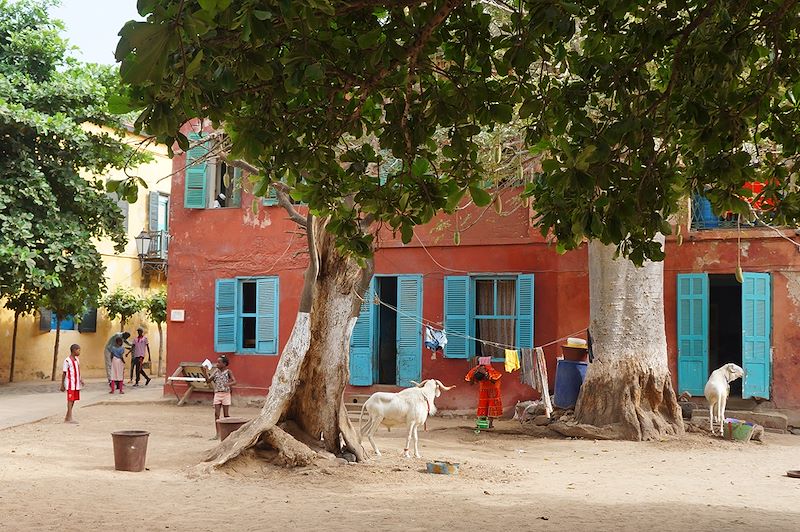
[
  {"x": 217, "y": 243},
  {"x": 715, "y": 252}
]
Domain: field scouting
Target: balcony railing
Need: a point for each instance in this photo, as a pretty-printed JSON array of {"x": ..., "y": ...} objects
[
  {"x": 153, "y": 249},
  {"x": 704, "y": 218}
]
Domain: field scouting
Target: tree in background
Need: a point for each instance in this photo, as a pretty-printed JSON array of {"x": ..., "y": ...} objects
[
  {"x": 156, "y": 306},
  {"x": 53, "y": 151},
  {"x": 617, "y": 97},
  {"x": 21, "y": 303},
  {"x": 122, "y": 304}
]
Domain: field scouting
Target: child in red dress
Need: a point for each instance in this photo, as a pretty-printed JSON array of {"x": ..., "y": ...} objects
[{"x": 490, "y": 403}]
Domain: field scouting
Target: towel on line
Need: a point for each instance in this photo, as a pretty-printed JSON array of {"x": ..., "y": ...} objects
[{"x": 512, "y": 360}]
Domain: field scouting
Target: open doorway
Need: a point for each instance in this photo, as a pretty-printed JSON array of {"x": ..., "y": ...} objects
[
  {"x": 725, "y": 325},
  {"x": 386, "y": 368}
]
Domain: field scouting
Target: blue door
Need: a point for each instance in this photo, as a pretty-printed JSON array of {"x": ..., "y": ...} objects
[
  {"x": 756, "y": 326},
  {"x": 361, "y": 341},
  {"x": 409, "y": 329},
  {"x": 692, "y": 332}
]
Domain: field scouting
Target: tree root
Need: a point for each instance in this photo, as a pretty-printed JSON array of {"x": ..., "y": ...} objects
[{"x": 589, "y": 432}]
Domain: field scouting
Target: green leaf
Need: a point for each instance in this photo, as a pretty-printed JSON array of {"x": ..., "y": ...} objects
[
  {"x": 194, "y": 65},
  {"x": 314, "y": 72},
  {"x": 480, "y": 196},
  {"x": 407, "y": 233}
]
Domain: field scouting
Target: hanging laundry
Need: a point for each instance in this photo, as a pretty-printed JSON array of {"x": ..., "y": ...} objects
[
  {"x": 435, "y": 340},
  {"x": 527, "y": 368},
  {"x": 512, "y": 360},
  {"x": 540, "y": 375}
]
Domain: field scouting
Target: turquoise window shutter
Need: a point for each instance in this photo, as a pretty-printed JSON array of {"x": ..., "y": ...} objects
[
  {"x": 692, "y": 333},
  {"x": 267, "y": 315},
  {"x": 225, "y": 316},
  {"x": 525, "y": 310},
  {"x": 409, "y": 329},
  {"x": 195, "y": 181},
  {"x": 271, "y": 199},
  {"x": 362, "y": 341},
  {"x": 756, "y": 332},
  {"x": 456, "y": 316}
]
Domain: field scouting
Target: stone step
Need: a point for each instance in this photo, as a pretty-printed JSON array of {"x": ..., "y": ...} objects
[{"x": 768, "y": 420}]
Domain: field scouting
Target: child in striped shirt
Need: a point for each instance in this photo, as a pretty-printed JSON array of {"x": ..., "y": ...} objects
[{"x": 71, "y": 381}]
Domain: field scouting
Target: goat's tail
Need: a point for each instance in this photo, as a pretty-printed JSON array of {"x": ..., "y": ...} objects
[{"x": 360, "y": 417}]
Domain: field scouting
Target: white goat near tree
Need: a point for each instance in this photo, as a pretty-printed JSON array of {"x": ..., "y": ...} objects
[
  {"x": 410, "y": 407},
  {"x": 717, "y": 390}
]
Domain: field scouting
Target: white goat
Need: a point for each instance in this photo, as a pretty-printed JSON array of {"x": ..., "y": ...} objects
[
  {"x": 410, "y": 407},
  {"x": 717, "y": 390}
]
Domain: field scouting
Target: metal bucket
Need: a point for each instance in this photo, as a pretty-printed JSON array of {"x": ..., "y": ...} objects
[{"x": 130, "y": 449}]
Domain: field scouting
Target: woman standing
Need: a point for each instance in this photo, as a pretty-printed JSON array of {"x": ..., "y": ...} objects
[
  {"x": 117, "y": 365},
  {"x": 490, "y": 404}
]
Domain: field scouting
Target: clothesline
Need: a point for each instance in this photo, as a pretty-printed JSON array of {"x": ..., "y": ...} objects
[{"x": 427, "y": 323}]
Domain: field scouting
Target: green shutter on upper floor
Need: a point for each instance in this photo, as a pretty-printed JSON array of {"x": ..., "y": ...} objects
[{"x": 195, "y": 180}]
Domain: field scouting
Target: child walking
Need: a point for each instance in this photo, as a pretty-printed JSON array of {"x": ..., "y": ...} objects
[
  {"x": 490, "y": 404},
  {"x": 71, "y": 381},
  {"x": 223, "y": 379},
  {"x": 117, "y": 364}
]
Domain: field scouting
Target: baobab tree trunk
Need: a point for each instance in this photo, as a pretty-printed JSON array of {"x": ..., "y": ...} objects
[
  {"x": 628, "y": 388},
  {"x": 55, "y": 348},
  {"x": 160, "y": 348},
  {"x": 13, "y": 347},
  {"x": 307, "y": 392}
]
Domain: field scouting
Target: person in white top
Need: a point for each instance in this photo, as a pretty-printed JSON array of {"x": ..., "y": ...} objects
[{"x": 71, "y": 380}]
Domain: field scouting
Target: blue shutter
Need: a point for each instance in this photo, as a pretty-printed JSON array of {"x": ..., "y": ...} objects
[
  {"x": 525, "y": 310},
  {"x": 194, "y": 191},
  {"x": 456, "y": 315},
  {"x": 361, "y": 341},
  {"x": 271, "y": 199},
  {"x": 225, "y": 316},
  {"x": 409, "y": 329},
  {"x": 267, "y": 315},
  {"x": 692, "y": 333},
  {"x": 756, "y": 325}
]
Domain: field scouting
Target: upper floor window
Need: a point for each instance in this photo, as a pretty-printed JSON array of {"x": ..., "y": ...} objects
[
  {"x": 246, "y": 315},
  {"x": 209, "y": 182}
]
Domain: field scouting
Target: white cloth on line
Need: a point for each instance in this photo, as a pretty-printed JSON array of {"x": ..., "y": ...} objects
[{"x": 435, "y": 339}]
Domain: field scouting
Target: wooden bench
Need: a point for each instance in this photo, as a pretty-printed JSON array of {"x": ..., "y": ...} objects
[{"x": 190, "y": 373}]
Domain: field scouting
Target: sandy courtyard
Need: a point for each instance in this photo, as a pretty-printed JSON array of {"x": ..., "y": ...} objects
[{"x": 61, "y": 477}]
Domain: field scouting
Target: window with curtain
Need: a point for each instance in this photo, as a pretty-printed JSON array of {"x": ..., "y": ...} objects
[{"x": 495, "y": 314}]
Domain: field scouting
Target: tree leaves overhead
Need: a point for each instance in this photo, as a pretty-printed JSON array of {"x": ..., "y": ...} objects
[
  {"x": 629, "y": 105},
  {"x": 50, "y": 213}
]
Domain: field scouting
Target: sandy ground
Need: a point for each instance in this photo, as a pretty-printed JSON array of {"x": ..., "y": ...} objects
[{"x": 61, "y": 477}]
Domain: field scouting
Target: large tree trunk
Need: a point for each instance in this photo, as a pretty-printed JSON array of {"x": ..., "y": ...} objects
[
  {"x": 628, "y": 388},
  {"x": 306, "y": 397},
  {"x": 160, "y": 348},
  {"x": 55, "y": 348},
  {"x": 13, "y": 348}
]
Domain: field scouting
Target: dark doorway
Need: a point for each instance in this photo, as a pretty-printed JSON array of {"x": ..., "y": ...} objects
[
  {"x": 725, "y": 325},
  {"x": 387, "y": 330}
]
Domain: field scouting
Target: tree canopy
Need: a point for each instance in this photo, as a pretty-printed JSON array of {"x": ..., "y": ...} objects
[
  {"x": 56, "y": 140},
  {"x": 630, "y": 105}
]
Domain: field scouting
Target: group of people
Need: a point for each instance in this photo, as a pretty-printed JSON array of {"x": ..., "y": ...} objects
[{"x": 115, "y": 354}]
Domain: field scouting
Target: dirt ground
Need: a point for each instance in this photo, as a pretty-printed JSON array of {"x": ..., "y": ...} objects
[{"x": 61, "y": 477}]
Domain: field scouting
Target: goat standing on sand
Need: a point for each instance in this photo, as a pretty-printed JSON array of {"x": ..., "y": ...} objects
[
  {"x": 410, "y": 407},
  {"x": 717, "y": 390}
]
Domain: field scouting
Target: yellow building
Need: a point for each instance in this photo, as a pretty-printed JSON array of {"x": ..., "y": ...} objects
[{"x": 36, "y": 333}]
